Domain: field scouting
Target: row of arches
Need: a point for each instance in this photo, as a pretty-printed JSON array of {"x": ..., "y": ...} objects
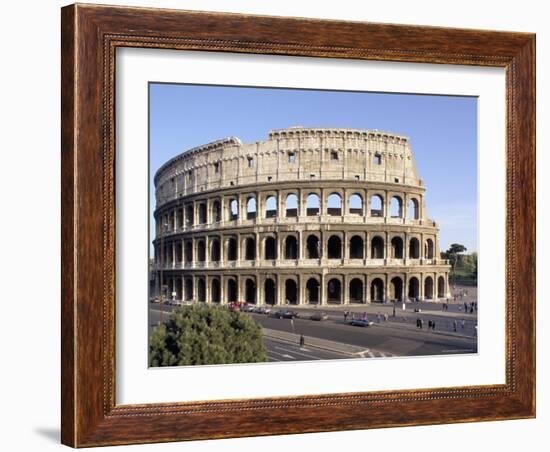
[
  {"x": 334, "y": 291},
  {"x": 196, "y": 250},
  {"x": 202, "y": 212}
]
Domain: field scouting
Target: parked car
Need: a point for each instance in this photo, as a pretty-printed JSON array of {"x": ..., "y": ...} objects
[
  {"x": 360, "y": 322},
  {"x": 319, "y": 316},
  {"x": 286, "y": 314},
  {"x": 262, "y": 310}
]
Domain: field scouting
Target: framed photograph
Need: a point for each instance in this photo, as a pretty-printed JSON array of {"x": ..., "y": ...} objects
[{"x": 282, "y": 225}]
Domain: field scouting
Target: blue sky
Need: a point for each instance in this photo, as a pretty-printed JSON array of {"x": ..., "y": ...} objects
[{"x": 442, "y": 130}]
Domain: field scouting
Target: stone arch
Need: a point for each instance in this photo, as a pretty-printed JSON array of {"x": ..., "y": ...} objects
[
  {"x": 428, "y": 288},
  {"x": 270, "y": 291},
  {"x": 201, "y": 251},
  {"x": 250, "y": 290},
  {"x": 215, "y": 250},
  {"x": 271, "y": 206},
  {"x": 270, "y": 248},
  {"x": 291, "y": 291},
  {"x": 250, "y": 249},
  {"x": 232, "y": 249},
  {"x": 188, "y": 289},
  {"x": 356, "y": 292},
  {"x": 334, "y": 204},
  {"x": 312, "y": 290},
  {"x": 232, "y": 290},
  {"x": 233, "y": 209},
  {"x": 356, "y": 247},
  {"x": 216, "y": 211},
  {"x": 441, "y": 287},
  {"x": 251, "y": 207},
  {"x": 313, "y": 205},
  {"x": 356, "y": 204},
  {"x": 414, "y": 288},
  {"x": 334, "y": 291},
  {"x": 429, "y": 249},
  {"x": 396, "y": 207},
  {"x": 334, "y": 247},
  {"x": 376, "y": 206},
  {"x": 396, "y": 289},
  {"x": 414, "y": 248},
  {"x": 202, "y": 213},
  {"x": 189, "y": 215},
  {"x": 413, "y": 209},
  {"x": 291, "y": 205},
  {"x": 313, "y": 250},
  {"x": 291, "y": 247},
  {"x": 201, "y": 290},
  {"x": 215, "y": 292},
  {"x": 377, "y": 290},
  {"x": 377, "y": 247},
  {"x": 397, "y": 247}
]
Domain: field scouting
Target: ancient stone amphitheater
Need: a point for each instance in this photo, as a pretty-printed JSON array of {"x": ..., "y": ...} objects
[{"x": 308, "y": 216}]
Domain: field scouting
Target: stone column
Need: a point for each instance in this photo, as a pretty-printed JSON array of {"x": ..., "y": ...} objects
[
  {"x": 345, "y": 290},
  {"x": 322, "y": 291},
  {"x": 207, "y": 282}
]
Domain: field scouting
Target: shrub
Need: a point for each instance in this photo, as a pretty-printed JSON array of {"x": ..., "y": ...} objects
[{"x": 202, "y": 334}]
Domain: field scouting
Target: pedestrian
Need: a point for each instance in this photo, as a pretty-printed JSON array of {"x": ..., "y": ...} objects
[
  {"x": 346, "y": 313},
  {"x": 378, "y": 318},
  {"x": 386, "y": 316},
  {"x": 429, "y": 324},
  {"x": 463, "y": 323},
  {"x": 421, "y": 324},
  {"x": 417, "y": 322},
  {"x": 454, "y": 325},
  {"x": 302, "y": 340},
  {"x": 433, "y": 325},
  {"x": 393, "y": 315}
]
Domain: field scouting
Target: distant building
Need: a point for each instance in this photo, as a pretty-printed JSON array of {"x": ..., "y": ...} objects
[{"x": 308, "y": 216}]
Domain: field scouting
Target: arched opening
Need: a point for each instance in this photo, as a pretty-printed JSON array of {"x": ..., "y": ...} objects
[
  {"x": 291, "y": 207},
  {"x": 215, "y": 250},
  {"x": 202, "y": 213},
  {"x": 312, "y": 247},
  {"x": 188, "y": 289},
  {"x": 232, "y": 249},
  {"x": 412, "y": 209},
  {"x": 251, "y": 208},
  {"x": 334, "y": 247},
  {"x": 188, "y": 251},
  {"x": 250, "y": 291},
  {"x": 216, "y": 211},
  {"x": 179, "y": 253},
  {"x": 414, "y": 248},
  {"x": 397, "y": 248},
  {"x": 355, "y": 204},
  {"x": 269, "y": 291},
  {"x": 376, "y": 206},
  {"x": 215, "y": 290},
  {"x": 429, "y": 251},
  {"x": 441, "y": 287},
  {"x": 233, "y": 210},
  {"x": 313, "y": 205},
  {"x": 231, "y": 290},
  {"x": 356, "y": 291},
  {"x": 250, "y": 249},
  {"x": 291, "y": 291},
  {"x": 396, "y": 207},
  {"x": 291, "y": 247},
  {"x": 271, "y": 207},
  {"x": 356, "y": 247},
  {"x": 201, "y": 289},
  {"x": 377, "y": 248},
  {"x": 377, "y": 290},
  {"x": 414, "y": 288},
  {"x": 334, "y": 291},
  {"x": 201, "y": 251},
  {"x": 428, "y": 288},
  {"x": 312, "y": 289},
  {"x": 396, "y": 289},
  {"x": 270, "y": 248},
  {"x": 334, "y": 204},
  {"x": 189, "y": 215}
]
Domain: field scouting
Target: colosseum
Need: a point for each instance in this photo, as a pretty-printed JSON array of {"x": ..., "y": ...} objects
[{"x": 308, "y": 216}]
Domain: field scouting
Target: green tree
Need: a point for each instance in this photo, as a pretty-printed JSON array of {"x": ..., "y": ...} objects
[
  {"x": 453, "y": 254},
  {"x": 202, "y": 334}
]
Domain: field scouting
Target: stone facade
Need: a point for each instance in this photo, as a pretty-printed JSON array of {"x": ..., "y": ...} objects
[{"x": 308, "y": 216}]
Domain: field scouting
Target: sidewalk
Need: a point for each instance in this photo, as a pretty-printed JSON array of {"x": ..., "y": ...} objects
[
  {"x": 338, "y": 347},
  {"x": 403, "y": 325}
]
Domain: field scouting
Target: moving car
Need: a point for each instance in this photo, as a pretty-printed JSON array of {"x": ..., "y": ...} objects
[
  {"x": 319, "y": 316},
  {"x": 286, "y": 314},
  {"x": 262, "y": 310},
  {"x": 360, "y": 322}
]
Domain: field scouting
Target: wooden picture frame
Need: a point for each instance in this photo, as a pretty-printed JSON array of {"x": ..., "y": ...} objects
[{"x": 90, "y": 36}]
